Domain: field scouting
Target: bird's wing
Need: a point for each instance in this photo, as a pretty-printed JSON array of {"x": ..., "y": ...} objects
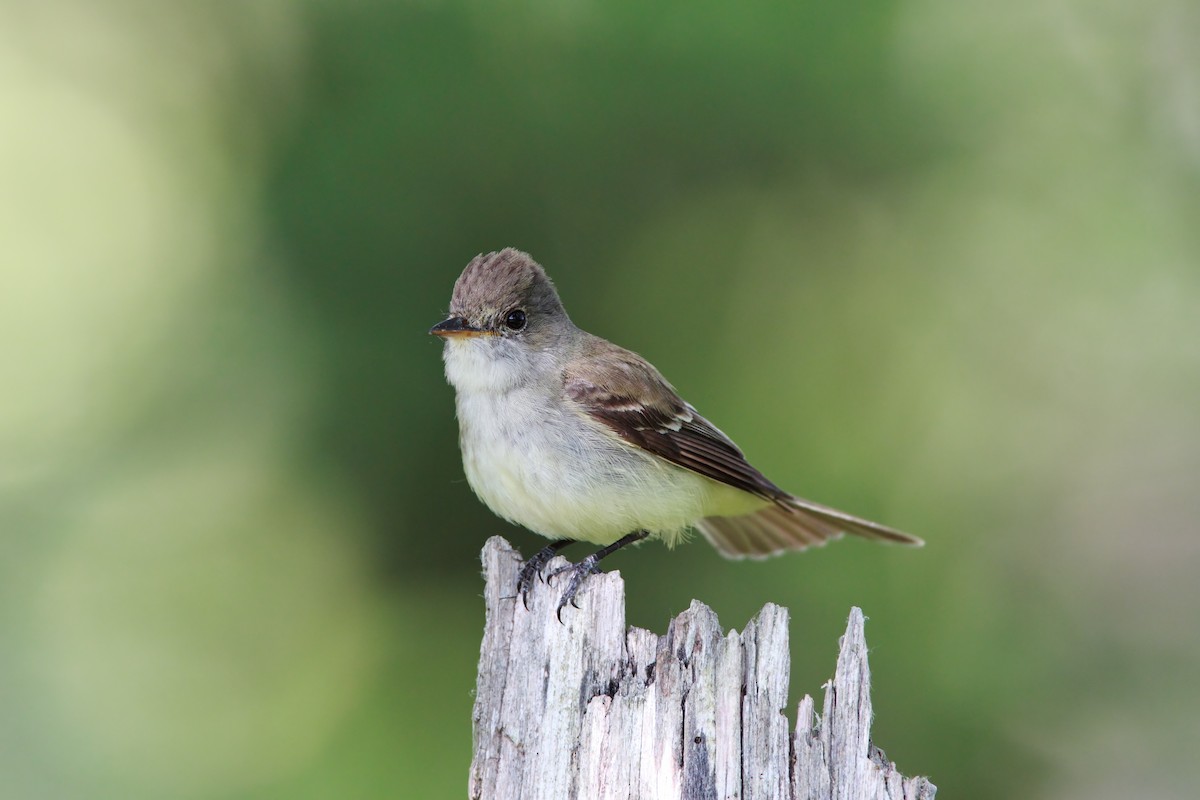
[{"x": 623, "y": 391}]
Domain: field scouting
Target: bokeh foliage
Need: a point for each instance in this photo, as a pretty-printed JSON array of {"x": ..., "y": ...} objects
[{"x": 933, "y": 263}]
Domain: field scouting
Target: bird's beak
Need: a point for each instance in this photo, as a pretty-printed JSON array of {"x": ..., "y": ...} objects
[{"x": 455, "y": 326}]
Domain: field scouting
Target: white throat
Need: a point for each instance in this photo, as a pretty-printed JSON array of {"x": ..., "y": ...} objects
[{"x": 493, "y": 365}]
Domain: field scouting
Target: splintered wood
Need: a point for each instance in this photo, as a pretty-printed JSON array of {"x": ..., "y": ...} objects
[{"x": 588, "y": 710}]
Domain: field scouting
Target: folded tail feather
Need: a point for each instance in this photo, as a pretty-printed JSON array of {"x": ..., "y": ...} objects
[{"x": 790, "y": 524}]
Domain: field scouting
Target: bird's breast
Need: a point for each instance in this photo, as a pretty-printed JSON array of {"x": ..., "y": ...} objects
[{"x": 539, "y": 462}]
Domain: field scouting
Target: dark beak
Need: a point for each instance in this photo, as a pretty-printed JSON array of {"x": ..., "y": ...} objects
[{"x": 455, "y": 326}]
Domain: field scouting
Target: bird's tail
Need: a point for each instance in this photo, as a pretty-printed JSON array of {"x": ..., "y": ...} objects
[{"x": 790, "y": 524}]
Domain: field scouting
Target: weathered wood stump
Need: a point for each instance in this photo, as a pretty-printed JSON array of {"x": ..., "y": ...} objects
[{"x": 586, "y": 709}]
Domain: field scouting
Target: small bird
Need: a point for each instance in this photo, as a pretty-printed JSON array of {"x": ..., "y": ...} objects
[{"x": 580, "y": 440}]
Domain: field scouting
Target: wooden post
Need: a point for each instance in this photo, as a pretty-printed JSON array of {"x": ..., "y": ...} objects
[{"x": 586, "y": 709}]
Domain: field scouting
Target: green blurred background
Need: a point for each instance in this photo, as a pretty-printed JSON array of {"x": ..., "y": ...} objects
[{"x": 932, "y": 262}]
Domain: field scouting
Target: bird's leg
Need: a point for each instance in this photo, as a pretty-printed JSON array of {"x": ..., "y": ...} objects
[
  {"x": 533, "y": 567},
  {"x": 589, "y": 566}
]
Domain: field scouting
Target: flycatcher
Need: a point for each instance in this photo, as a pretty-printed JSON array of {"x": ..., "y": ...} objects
[{"x": 579, "y": 440}]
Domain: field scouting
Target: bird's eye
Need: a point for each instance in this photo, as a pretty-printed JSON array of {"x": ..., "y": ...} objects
[{"x": 515, "y": 320}]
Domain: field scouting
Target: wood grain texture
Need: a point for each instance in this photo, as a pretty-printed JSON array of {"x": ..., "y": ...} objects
[{"x": 589, "y": 709}]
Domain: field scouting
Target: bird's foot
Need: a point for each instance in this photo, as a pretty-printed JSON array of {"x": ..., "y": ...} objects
[
  {"x": 576, "y": 574},
  {"x": 533, "y": 568}
]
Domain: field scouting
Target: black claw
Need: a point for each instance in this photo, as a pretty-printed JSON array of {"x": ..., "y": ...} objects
[
  {"x": 578, "y": 573},
  {"x": 533, "y": 568}
]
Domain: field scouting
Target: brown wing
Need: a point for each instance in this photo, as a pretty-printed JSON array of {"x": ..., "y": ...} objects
[
  {"x": 626, "y": 393},
  {"x": 623, "y": 391}
]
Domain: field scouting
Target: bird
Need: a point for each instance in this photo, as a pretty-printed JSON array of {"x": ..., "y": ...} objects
[{"x": 580, "y": 440}]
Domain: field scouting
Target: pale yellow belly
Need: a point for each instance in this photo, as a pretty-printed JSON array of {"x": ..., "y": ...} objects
[{"x": 567, "y": 478}]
